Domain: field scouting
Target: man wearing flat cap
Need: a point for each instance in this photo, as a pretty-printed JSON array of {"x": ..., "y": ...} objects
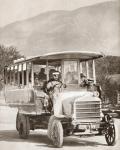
[{"x": 83, "y": 80}]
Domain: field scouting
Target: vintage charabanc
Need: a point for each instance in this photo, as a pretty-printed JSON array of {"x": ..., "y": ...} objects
[{"x": 71, "y": 106}]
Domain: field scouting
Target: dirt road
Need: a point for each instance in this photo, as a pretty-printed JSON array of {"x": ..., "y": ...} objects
[{"x": 9, "y": 139}]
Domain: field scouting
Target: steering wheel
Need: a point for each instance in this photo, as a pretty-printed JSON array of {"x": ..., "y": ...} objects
[{"x": 84, "y": 83}]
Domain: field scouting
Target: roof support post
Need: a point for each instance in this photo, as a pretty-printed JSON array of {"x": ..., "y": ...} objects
[
  {"x": 47, "y": 71},
  {"x": 87, "y": 69},
  {"x": 10, "y": 76},
  {"x": 22, "y": 76},
  {"x": 94, "y": 75},
  {"x": 81, "y": 69},
  {"x": 5, "y": 76},
  {"x": 62, "y": 70},
  {"x": 18, "y": 77},
  {"x": 78, "y": 67},
  {"x": 14, "y": 76},
  {"x": 27, "y": 75},
  {"x": 32, "y": 74}
]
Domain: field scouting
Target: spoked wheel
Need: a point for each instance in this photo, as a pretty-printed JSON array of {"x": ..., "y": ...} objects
[
  {"x": 111, "y": 134},
  {"x": 23, "y": 126},
  {"x": 57, "y": 134}
]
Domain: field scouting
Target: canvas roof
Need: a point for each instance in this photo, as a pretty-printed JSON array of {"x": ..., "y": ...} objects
[{"x": 64, "y": 55}]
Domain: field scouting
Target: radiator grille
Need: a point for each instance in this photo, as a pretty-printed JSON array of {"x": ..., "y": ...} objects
[{"x": 87, "y": 110}]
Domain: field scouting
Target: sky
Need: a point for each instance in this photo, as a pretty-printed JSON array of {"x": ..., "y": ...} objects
[{"x": 15, "y": 10}]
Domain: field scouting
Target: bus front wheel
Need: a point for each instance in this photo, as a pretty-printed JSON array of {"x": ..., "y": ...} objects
[{"x": 57, "y": 133}]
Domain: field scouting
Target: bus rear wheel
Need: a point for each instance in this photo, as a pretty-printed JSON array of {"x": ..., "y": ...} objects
[
  {"x": 23, "y": 126},
  {"x": 17, "y": 122}
]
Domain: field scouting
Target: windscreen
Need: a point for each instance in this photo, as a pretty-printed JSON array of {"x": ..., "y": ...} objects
[{"x": 71, "y": 72}]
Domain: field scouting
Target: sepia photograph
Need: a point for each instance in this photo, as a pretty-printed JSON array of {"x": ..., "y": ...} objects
[{"x": 59, "y": 74}]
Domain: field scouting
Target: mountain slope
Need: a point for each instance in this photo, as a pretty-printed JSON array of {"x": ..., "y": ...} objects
[{"x": 94, "y": 28}]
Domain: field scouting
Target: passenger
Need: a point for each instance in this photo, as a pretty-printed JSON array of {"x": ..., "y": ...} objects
[
  {"x": 71, "y": 78},
  {"x": 36, "y": 81},
  {"x": 83, "y": 80},
  {"x": 99, "y": 90},
  {"x": 68, "y": 78},
  {"x": 42, "y": 75}
]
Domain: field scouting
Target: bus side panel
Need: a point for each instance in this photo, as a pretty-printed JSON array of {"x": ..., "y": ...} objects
[
  {"x": 27, "y": 100},
  {"x": 19, "y": 96}
]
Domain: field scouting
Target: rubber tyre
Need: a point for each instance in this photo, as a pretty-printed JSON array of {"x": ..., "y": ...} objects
[
  {"x": 111, "y": 135},
  {"x": 17, "y": 122},
  {"x": 49, "y": 131},
  {"x": 23, "y": 126},
  {"x": 57, "y": 134}
]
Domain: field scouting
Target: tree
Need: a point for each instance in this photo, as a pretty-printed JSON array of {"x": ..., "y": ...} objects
[
  {"x": 110, "y": 90},
  {"x": 105, "y": 67},
  {"x": 7, "y": 55}
]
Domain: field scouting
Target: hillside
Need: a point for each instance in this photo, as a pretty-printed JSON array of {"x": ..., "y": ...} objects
[{"x": 94, "y": 28}]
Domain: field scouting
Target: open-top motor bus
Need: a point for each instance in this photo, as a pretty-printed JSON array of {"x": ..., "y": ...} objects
[{"x": 71, "y": 107}]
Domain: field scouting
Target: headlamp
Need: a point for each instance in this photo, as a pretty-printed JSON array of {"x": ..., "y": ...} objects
[{"x": 96, "y": 94}]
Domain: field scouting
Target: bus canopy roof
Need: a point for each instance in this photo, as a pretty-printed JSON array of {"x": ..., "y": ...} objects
[{"x": 63, "y": 55}]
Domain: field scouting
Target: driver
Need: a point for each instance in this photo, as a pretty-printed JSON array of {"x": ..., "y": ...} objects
[
  {"x": 53, "y": 87},
  {"x": 53, "y": 82}
]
